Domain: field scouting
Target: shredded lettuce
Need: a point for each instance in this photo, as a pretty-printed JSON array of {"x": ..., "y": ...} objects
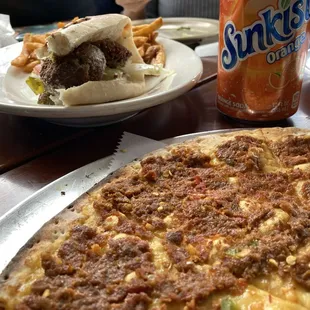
[
  {"x": 35, "y": 84},
  {"x": 134, "y": 71},
  {"x": 111, "y": 74},
  {"x": 145, "y": 69},
  {"x": 138, "y": 71}
]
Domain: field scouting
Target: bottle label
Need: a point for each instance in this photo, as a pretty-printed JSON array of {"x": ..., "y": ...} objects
[{"x": 274, "y": 27}]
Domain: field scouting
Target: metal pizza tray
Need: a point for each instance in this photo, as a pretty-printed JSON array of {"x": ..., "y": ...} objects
[{"x": 19, "y": 224}]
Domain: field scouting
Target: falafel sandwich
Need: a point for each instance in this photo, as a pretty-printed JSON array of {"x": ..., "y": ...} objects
[{"x": 92, "y": 61}]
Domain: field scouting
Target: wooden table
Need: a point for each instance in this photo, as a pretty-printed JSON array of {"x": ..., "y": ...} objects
[{"x": 34, "y": 153}]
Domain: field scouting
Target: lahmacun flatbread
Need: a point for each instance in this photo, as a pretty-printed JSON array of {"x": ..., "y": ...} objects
[{"x": 218, "y": 222}]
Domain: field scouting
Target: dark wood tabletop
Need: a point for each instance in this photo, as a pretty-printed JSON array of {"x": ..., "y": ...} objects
[{"x": 34, "y": 152}]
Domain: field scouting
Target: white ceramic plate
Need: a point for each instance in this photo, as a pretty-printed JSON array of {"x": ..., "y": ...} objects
[
  {"x": 17, "y": 98},
  {"x": 186, "y": 29}
]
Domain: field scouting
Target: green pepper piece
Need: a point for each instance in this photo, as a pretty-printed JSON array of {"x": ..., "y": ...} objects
[{"x": 36, "y": 85}]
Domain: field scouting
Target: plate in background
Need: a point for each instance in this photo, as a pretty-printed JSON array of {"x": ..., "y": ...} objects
[{"x": 186, "y": 29}]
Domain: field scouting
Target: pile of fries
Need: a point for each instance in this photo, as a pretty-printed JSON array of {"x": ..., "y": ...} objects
[
  {"x": 145, "y": 39},
  {"x": 27, "y": 60}
]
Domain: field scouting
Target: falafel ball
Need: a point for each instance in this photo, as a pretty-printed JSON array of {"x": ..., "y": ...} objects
[
  {"x": 115, "y": 54},
  {"x": 86, "y": 63}
]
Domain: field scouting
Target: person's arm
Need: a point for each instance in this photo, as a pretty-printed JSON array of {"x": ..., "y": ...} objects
[
  {"x": 133, "y": 8},
  {"x": 140, "y": 14}
]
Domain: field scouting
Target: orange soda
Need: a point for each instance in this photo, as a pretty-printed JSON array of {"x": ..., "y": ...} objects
[{"x": 263, "y": 46}]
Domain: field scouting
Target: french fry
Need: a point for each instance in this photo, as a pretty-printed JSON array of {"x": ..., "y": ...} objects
[
  {"x": 147, "y": 30},
  {"x": 144, "y": 37},
  {"x": 29, "y": 67},
  {"x": 152, "y": 37},
  {"x": 138, "y": 27},
  {"x": 31, "y": 46},
  {"x": 146, "y": 46},
  {"x": 140, "y": 41},
  {"x": 141, "y": 51},
  {"x": 150, "y": 53},
  {"x": 20, "y": 61},
  {"x": 39, "y": 38},
  {"x": 33, "y": 55},
  {"x": 160, "y": 58},
  {"x": 61, "y": 24},
  {"x": 27, "y": 59},
  {"x": 27, "y": 37}
]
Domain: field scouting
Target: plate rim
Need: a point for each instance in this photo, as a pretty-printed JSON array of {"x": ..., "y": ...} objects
[{"x": 93, "y": 110}]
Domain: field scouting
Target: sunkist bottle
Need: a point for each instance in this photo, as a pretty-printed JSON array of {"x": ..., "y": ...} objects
[{"x": 262, "y": 53}]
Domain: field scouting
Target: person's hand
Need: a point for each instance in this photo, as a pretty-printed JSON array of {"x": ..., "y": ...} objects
[{"x": 133, "y": 8}]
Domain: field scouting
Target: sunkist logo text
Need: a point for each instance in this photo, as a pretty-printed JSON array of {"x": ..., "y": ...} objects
[{"x": 274, "y": 27}]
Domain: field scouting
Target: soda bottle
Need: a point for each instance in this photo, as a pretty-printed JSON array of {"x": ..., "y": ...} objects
[{"x": 263, "y": 46}]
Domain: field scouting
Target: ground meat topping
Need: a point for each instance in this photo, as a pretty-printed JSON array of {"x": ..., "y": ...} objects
[
  {"x": 301, "y": 272},
  {"x": 292, "y": 151},
  {"x": 181, "y": 228},
  {"x": 241, "y": 153},
  {"x": 86, "y": 63},
  {"x": 115, "y": 54},
  {"x": 306, "y": 190},
  {"x": 175, "y": 237}
]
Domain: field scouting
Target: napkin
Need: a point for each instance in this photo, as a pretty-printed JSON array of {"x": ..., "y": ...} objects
[
  {"x": 130, "y": 147},
  {"x": 6, "y": 31}
]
